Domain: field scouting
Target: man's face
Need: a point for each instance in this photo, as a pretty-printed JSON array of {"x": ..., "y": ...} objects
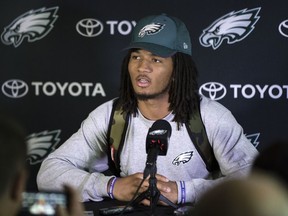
[{"x": 150, "y": 74}]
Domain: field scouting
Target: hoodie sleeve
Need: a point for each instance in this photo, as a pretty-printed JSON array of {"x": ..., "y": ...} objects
[
  {"x": 233, "y": 151},
  {"x": 80, "y": 160}
]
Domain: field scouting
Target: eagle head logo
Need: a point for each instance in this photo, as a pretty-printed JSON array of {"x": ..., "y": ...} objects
[
  {"x": 183, "y": 158},
  {"x": 151, "y": 29},
  {"x": 234, "y": 27},
  {"x": 33, "y": 25},
  {"x": 158, "y": 132},
  {"x": 41, "y": 144}
]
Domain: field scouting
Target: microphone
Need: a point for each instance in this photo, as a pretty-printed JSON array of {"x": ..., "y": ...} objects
[{"x": 156, "y": 143}]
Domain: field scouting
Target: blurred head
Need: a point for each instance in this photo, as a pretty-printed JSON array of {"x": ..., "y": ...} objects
[
  {"x": 258, "y": 195},
  {"x": 273, "y": 160},
  {"x": 12, "y": 165}
]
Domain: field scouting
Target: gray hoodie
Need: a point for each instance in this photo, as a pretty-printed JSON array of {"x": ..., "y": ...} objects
[{"x": 81, "y": 159}]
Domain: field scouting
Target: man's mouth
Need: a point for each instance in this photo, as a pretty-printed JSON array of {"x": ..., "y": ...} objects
[{"x": 143, "y": 81}]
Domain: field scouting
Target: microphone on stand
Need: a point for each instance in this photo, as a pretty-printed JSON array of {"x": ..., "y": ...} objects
[{"x": 156, "y": 143}]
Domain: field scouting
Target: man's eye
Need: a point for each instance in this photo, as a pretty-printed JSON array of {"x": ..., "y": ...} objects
[
  {"x": 156, "y": 60},
  {"x": 135, "y": 57}
]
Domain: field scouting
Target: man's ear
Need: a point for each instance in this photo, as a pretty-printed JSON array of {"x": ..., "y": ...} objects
[{"x": 18, "y": 185}]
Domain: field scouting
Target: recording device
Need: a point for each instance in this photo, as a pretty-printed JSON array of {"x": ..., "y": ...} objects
[
  {"x": 115, "y": 210},
  {"x": 42, "y": 203},
  {"x": 156, "y": 143}
]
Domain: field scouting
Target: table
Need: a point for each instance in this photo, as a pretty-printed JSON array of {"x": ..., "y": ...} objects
[{"x": 92, "y": 208}]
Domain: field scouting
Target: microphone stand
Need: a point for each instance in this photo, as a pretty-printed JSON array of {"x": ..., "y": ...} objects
[{"x": 152, "y": 193}]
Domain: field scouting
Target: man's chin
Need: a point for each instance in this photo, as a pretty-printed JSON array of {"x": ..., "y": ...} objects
[{"x": 145, "y": 97}]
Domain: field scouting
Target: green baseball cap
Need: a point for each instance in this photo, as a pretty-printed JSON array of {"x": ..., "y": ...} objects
[{"x": 162, "y": 35}]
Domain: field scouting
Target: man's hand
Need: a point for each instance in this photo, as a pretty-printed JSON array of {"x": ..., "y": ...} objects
[
  {"x": 167, "y": 188},
  {"x": 125, "y": 188}
]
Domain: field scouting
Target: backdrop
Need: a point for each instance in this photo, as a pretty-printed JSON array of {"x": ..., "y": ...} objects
[{"x": 61, "y": 59}]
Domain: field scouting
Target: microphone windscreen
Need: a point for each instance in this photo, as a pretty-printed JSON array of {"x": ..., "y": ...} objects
[{"x": 158, "y": 136}]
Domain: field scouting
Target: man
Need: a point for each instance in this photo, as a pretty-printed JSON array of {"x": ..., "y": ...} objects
[
  {"x": 158, "y": 81},
  {"x": 14, "y": 172}
]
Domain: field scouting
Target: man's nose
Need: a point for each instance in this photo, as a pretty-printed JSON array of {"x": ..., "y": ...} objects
[{"x": 144, "y": 66}]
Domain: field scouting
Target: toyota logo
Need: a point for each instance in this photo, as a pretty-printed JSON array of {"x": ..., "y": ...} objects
[
  {"x": 15, "y": 88},
  {"x": 283, "y": 28},
  {"x": 89, "y": 27},
  {"x": 213, "y": 90}
]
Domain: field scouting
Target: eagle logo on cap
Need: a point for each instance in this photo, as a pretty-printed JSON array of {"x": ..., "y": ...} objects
[{"x": 151, "y": 29}]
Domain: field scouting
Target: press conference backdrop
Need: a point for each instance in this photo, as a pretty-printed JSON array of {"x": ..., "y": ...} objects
[{"x": 61, "y": 59}]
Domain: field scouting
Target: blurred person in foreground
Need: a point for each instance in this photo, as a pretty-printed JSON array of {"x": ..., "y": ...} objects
[
  {"x": 257, "y": 195},
  {"x": 14, "y": 172},
  {"x": 273, "y": 160}
]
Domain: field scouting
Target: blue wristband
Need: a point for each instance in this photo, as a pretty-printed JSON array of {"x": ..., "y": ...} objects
[
  {"x": 183, "y": 192},
  {"x": 111, "y": 188}
]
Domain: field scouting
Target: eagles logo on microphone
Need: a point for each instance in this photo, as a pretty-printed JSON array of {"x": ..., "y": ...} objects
[{"x": 158, "y": 132}]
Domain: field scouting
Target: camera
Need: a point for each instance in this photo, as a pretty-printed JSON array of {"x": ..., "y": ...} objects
[{"x": 42, "y": 203}]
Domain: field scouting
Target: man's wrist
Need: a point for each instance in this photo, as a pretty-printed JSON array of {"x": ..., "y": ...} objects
[
  {"x": 181, "y": 192},
  {"x": 110, "y": 187}
]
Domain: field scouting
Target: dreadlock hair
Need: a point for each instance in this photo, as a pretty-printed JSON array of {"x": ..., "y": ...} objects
[{"x": 183, "y": 92}]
